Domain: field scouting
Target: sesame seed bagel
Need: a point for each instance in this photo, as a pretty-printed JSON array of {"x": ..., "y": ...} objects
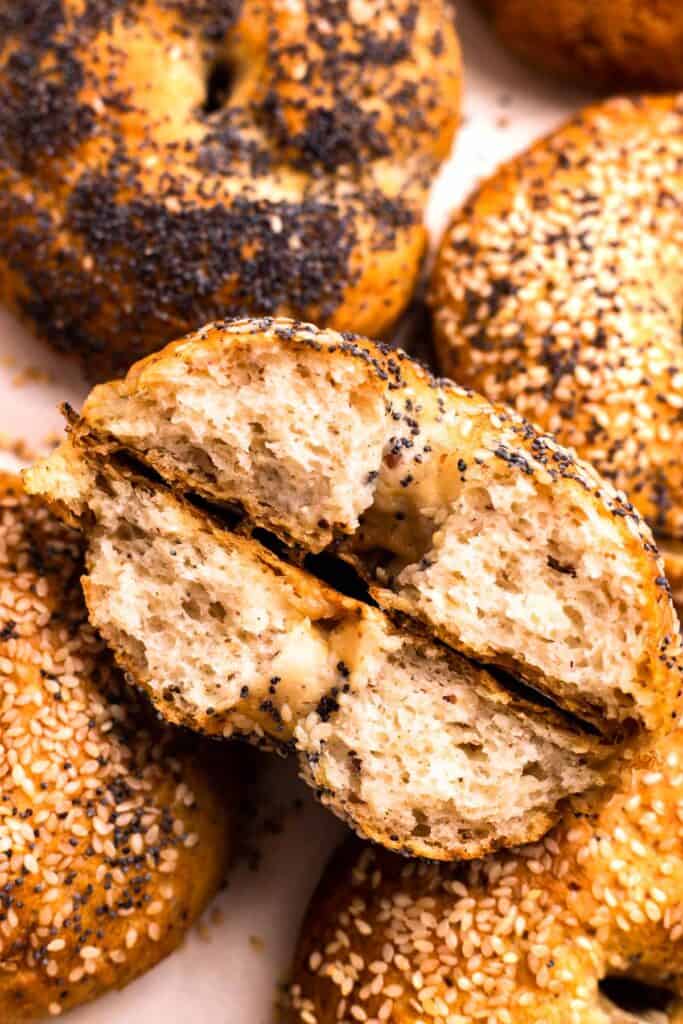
[
  {"x": 346, "y": 528},
  {"x": 615, "y": 43},
  {"x": 555, "y": 290},
  {"x": 112, "y": 837},
  {"x": 165, "y": 162},
  {"x": 522, "y": 937}
]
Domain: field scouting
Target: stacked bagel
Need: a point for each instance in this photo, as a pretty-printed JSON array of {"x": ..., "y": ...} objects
[{"x": 303, "y": 538}]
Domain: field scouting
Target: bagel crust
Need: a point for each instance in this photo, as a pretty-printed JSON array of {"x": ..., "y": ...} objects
[
  {"x": 521, "y": 937},
  {"x": 618, "y": 43},
  {"x": 165, "y": 162},
  {"x": 237, "y": 477},
  {"x": 413, "y": 442},
  {"x": 112, "y": 837},
  {"x": 556, "y": 290}
]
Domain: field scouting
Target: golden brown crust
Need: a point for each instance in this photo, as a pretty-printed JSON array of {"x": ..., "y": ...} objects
[
  {"x": 518, "y": 938},
  {"x": 131, "y": 212},
  {"x": 113, "y": 837},
  {"x": 418, "y": 402},
  {"x": 554, "y": 291},
  {"x": 617, "y": 43}
]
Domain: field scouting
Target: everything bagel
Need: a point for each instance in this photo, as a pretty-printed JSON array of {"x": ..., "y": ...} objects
[
  {"x": 164, "y": 162},
  {"x": 557, "y": 289}
]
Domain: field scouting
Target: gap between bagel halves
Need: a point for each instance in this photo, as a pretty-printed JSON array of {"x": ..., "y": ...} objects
[{"x": 335, "y": 572}]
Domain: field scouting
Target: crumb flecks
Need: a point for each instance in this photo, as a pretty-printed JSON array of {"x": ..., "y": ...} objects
[
  {"x": 521, "y": 937},
  {"x": 101, "y": 871},
  {"x": 133, "y": 211},
  {"x": 23, "y": 450}
]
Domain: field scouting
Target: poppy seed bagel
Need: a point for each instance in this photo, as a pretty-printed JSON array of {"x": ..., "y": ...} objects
[{"x": 167, "y": 162}]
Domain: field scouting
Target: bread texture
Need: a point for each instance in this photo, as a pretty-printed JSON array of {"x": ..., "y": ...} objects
[
  {"x": 613, "y": 44},
  {"x": 522, "y": 937},
  {"x": 472, "y": 532},
  {"x": 403, "y": 738},
  {"x": 113, "y": 834},
  {"x": 167, "y": 162},
  {"x": 553, "y": 291}
]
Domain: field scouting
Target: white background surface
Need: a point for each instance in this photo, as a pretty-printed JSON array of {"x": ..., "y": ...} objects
[{"x": 227, "y": 972}]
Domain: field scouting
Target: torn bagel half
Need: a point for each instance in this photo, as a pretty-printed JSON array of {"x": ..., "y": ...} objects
[{"x": 222, "y": 478}]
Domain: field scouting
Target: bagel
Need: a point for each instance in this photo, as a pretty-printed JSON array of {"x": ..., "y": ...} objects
[
  {"x": 132, "y": 211},
  {"x": 555, "y": 290},
  {"x": 112, "y": 836},
  {"x": 522, "y": 937},
  {"x": 449, "y": 526},
  {"x": 614, "y": 43}
]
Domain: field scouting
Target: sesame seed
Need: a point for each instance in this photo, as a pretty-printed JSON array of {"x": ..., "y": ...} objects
[
  {"x": 457, "y": 942},
  {"x": 81, "y": 771},
  {"x": 90, "y": 952}
]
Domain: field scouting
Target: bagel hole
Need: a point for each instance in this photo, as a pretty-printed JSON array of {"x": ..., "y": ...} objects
[
  {"x": 218, "y": 86},
  {"x": 635, "y": 996}
]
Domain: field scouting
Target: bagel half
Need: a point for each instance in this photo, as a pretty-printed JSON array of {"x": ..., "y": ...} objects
[
  {"x": 225, "y": 477},
  {"x": 113, "y": 836}
]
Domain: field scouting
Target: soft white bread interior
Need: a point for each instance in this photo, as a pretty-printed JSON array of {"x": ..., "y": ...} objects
[
  {"x": 456, "y": 513},
  {"x": 402, "y": 737}
]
